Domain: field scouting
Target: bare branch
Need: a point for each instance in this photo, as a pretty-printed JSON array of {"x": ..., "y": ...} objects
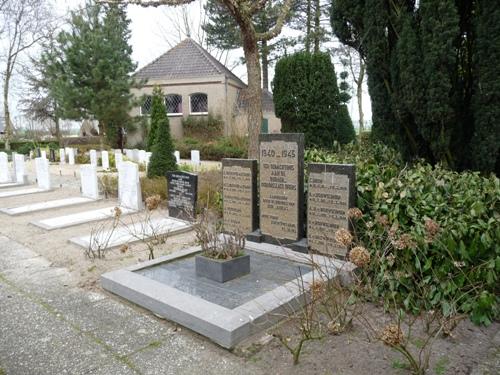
[
  {"x": 285, "y": 10},
  {"x": 147, "y": 3}
]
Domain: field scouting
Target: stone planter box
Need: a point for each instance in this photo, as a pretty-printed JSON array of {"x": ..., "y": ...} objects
[{"x": 222, "y": 270}]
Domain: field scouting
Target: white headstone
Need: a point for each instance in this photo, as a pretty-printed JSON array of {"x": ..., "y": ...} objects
[
  {"x": 148, "y": 158},
  {"x": 4, "y": 168},
  {"x": 43, "y": 154},
  {"x": 129, "y": 186},
  {"x": 88, "y": 175},
  {"x": 62, "y": 156},
  {"x": 93, "y": 157},
  {"x": 142, "y": 157},
  {"x": 135, "y": 155},
  {"x": 19, "y": 173},
  {"x": 42, "y": 173},
  {"x": 105, "y": 160},
  {"x": 118, "y": 159},
  {"x": 71, "y": 156},
  {"x": 195, "y": 157},
  {"x": 177, "y": 155}
]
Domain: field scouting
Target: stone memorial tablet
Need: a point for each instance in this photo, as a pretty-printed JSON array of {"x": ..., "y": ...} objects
[
  {"x": 129, "y": 187},
  {"x": 105, "y": 160},
  {"x": 62, "y": 156},
  {"x": 4, "y": 168},
  {"x": 93, "y": 157},
  {"x": 88, "y": 176},
  {"x": 42, "y": 173},
  {"x": 182, "y": 195},
  {"x": 239, "y": 191},
  {"x": 331, "y": 192},
  {"x": 281, "y": 187},
  {"x": 19, "y": 172}
]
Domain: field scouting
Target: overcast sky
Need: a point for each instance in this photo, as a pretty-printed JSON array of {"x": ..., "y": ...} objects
[{"x": 154, "y": 32}]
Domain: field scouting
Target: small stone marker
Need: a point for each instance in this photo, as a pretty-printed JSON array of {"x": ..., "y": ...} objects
[
  {"x": 129, "y": 187},
  {"x": 19, "y": 173},
  {"x": 43, "y": 154},
  {"x": 88, "y": 176},
  {"x": 282, "y": 187},
  {"x": 331, "y": 192},
  {"x": 105, "y": 160},
  {"x": 62, "y": 156},
  {"x": 71, "y": 156},
  {"x": 42, "y": 173},
  {"x": 142, "y": 157},
  {"x": 4, "y": 168},
  {"x": 93, "y": 157},
  {"x": 177, "y": 155},
  {"x": 118, "y": 159},
  {"x": 195, "y": 157},
  {"x": 182, "y": 195},
  {"x": 239, "y": 191}
]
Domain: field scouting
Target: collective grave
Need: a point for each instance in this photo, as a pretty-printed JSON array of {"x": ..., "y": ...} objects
[
  {"x": 239, "y": 189},
  {"x": 105, "y": 160},
  {"x": 88, "y": 176},
  {"x": 62, "y": 156},
  {"x": 281, "y": 187},
  {"x": 182, "y": 195},
  {"x": 4, "y": 168},
  {"x": 331, "y": 192},
  {"x": 93, "y": 157}
]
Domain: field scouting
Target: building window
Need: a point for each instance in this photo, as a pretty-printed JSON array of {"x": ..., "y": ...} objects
[
  {"x": 173, "y": 102},
  {"x": 198, "y": 104},
  {"x": 146, "y": 106}
]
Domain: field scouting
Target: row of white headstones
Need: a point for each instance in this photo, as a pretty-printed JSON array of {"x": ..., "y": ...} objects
[{"x": 141, "y": 156}]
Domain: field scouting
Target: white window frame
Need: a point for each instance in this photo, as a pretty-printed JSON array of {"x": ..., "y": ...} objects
[
  {"x": 197, "y": 113},
  {"x": 177, "y": 113},
  {"x": 140, "y": 107}
]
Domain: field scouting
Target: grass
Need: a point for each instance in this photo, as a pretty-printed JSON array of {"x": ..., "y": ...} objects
[
  {"x": 440, "y": 367},
  {"x": 397, "y": 364}
]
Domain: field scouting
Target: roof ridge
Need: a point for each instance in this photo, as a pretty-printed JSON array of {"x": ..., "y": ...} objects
[{"x": 159, "y": 57}]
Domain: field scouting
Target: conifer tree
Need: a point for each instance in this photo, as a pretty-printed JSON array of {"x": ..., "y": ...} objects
[{"x": 163, "y": 159}]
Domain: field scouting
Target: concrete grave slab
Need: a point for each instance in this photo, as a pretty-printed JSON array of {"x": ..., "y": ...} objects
[
  {"x": 70, "y": 220},
  {"x": 11, "y": 185},
  {"x": 226, "y": 313},
  {"x": 133, "y": 233},
  {"x": 47, "y": 205},
  {"x": 18, "y": 192}
]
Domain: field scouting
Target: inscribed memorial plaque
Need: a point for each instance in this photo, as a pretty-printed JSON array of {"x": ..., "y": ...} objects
[
  {"x": 239, "y": 191},
  {"x": 281, "y": 187},
  {"x": 182, "y": 195},
  {"x": 331, "y": 192}
]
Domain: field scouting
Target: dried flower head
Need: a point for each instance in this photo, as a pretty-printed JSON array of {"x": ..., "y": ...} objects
[
  {"x": 392, "y": 335},
  {"x": 118, "y": 212},
  {"x": 124, "y": 248},
  {"x": 334, "y": 327},
  {"x": 153, "y": 201},
  {"x": 317, "y": 290},
  {"x": 343, "y": 237},
  {"x": 431, "y": 230},
  {"x": 359, "y": 256},
  {"x": 382, "y": 219},
  {"x": 405, "y": 241},
  {"x": 355, "y": 213},
  {"x": 391, "y": 259}
]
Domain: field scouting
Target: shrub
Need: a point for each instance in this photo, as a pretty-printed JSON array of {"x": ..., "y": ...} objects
[
  {"x": 224, "y": 147},
  {"x": 154, "y": 186},
  {"x": 163, "y": 159},
  {"x": 203, "y": 127},
  {"x": 457, "y": 268},
  {"x": 210, "y": 191}
]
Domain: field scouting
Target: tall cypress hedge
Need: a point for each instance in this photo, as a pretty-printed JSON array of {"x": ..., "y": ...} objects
[
  {"x": 162, "y": 159},
  {"x": 307, "y": 99}
]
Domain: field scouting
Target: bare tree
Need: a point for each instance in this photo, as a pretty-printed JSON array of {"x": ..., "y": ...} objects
[
  {"x": 243, "y": 12},
  {"x": 25, "y": 23}
]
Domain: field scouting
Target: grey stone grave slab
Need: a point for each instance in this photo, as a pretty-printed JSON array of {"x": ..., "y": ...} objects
[
  {"x": 239, "y": 191},
  {"x": 182, "y": 195},
  {"x": 46, "y": 205},
  {"x": 84, "y": 217},
  {"x": 225, "y": 313},
  {"x": 331, "y": 192},
  {"x": 281, "y": 186},
  {"x": 135, "y": 232}
]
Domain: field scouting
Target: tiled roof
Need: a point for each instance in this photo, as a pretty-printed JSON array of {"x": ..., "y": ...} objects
[
  {"x": 267, "y": 101},
  {"x": 186, "y": 60}
]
